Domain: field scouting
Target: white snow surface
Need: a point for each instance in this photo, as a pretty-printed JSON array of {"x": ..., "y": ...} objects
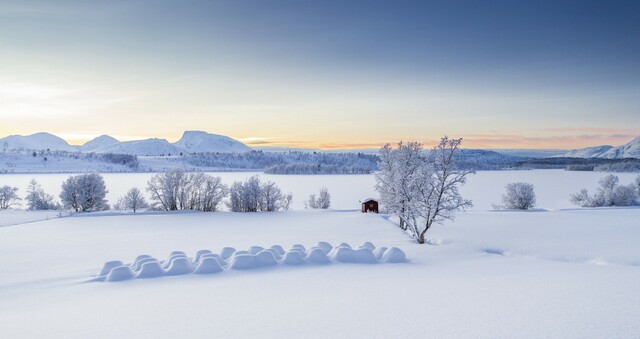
[
  {"x": 485, "y": 188},
  {"x": 567, "y": 273},
  {"x": 554, "y": 272}
]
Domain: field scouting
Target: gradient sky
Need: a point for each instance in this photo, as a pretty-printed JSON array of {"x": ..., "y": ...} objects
[{"x": 330, "y": 74}]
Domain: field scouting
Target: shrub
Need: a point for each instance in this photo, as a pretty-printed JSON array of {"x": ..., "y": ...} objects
[
  {"x": 519, "y": 196},
  {"x": 37, "y": 199},
  {"x": 322, "y": 201}
]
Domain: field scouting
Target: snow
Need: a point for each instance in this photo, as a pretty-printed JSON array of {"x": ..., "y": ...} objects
[
  {"x": 97, "y": 143},
  {"x": 552, "y": 273},
  {"x": 199, "y": 142},
  {"x": 153, "y": 146},
  {"x": 37, "y": 141},
  {"x": 484, "y": 188},
  {"x": 628, "y": 150}
]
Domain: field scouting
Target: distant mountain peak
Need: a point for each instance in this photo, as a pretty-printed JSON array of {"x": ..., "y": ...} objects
[
  {"x": 628, "y": 150},
  {"x": 201, "y": 142}
]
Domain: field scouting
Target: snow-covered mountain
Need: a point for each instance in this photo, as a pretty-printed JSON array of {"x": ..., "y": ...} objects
[
  {"x": 588, "y": 152},
  {"x": 102, "y": 141},
  {"x": 152, "y": 146},
  {"x": 628, "y": 150},
  {"x": 199, "y": 141},
  {"x": 38, "y": 141}
]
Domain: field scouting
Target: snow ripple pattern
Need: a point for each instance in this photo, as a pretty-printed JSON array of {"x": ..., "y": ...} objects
[{"x": 207, "y": 262}]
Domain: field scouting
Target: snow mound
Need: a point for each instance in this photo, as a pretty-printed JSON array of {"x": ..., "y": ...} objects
[
  {"x": 138, "y": 264},
  {"x": 151, "y": 269},
  {"x": 120, "y": 273},
  {"x": 318, "y": 256},
  {"x": 278, "y": 249},
  {"x": 227, "y": 252},
  {"x": 379, "y": 252},
  {"x": 207, "y": 262},
  {"x": 200, "y": 253},
  {"x": 255, "y": 249},
  {"x": 365, "y": 256},
  {"x": 266, "y": 258},
  {"x": 368, "y": 245},
  {"x": 214, "y": 256},
  {"x": 208, "y": 265},
  {"x": 325, "y": 246},
  {"x": 394, "y": 255},
  {"x": 293, "y": 257},
  {"x": 108, "y": 266},
  {"x": 180, "y": 266},
  {"x": 243, "y": 262}
]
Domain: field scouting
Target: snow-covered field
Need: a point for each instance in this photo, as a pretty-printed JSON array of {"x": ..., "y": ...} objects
[
  {"x": 485, "y": 188},
  {"x": 559, "y": 272}
]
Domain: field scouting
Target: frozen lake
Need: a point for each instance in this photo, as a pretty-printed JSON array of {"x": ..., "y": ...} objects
[{"x": 553, "y": 187}]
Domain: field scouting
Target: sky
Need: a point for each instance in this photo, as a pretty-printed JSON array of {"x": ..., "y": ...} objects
[{"x": 324, "y": 74}]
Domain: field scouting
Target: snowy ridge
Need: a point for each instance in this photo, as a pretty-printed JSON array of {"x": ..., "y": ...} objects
[
  {"x": 201, "y": 142},
  {"x": 207, "y": 262},
  {"x": 38, "y": 141},
  {"x": 102, "y": 141},
  {"x": 628, "y": 150},
  {"x": 151, "y": 146}
]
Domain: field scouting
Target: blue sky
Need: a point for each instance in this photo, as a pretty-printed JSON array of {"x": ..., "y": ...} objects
[{"x": 505, "y": 74}]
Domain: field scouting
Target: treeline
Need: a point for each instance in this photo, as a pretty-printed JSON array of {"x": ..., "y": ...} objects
[
  {"x": 293, "y": 162},
  {"x": 302, "y": 168},
  {"x": 581, "y": 164},
  {"x": 128, "y": 160}
]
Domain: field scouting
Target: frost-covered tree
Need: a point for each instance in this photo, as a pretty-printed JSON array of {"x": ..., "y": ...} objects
[
  {"x": 134, "y": 200},
  {"x": 636, "y": 183},
  {"x": 519, "y": 196},
  {"x": 164, "y": 189},
  {"x": 84, "y": 193},
  {"x": 422, "y": 190},
  {"x": 608, "y": 194},
  {"x": 397, "y": 168},
  {"x": 8, "y": 197},
  {"x": 177, "y": 190},
  {"x": 37, "y": 199},
  {"x": 321, "y": 201},
  {"x": 252, "y": 195}
]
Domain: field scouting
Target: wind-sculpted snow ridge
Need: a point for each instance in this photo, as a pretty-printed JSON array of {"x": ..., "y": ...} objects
[{"x": 207, "y": 262}]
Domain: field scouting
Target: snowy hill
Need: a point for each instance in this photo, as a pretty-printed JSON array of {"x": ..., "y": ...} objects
[
  {"x": 152, "y": 146},
  {"x": 38, "y": 141},
  {"x": 628, "y": 150},
  {"x": 102, "y": 141},
  {"x": 202, "y": 142},
  {"x": 589, "y": 152}
]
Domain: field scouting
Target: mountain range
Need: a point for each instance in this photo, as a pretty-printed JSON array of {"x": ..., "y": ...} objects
[
  {"x": 628, "y": 150},
  {"x": 191, "y": 142}
]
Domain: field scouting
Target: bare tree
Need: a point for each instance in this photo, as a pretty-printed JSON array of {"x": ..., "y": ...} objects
[
  {"x": 519, "y": 196},
  {"x": 321, "y": 201},
  {"x": 134, "y": 200},
  {"x": 8, "y": 197},
  {"x": 252, "y": 196},
  {"x": 177, "y": 190}
]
